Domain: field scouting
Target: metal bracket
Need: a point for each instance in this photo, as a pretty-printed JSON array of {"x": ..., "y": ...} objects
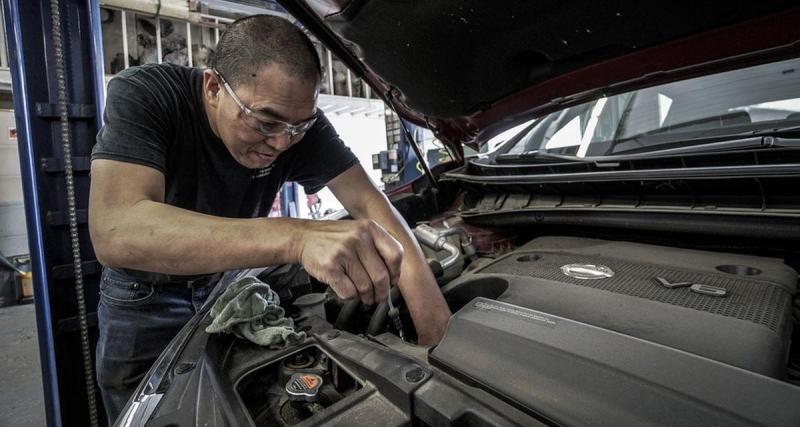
[
  {"x": 713, "y": 291},
  {"x": 74, "y": 111},
  {"x": 67, "y": 271},
  {"x": 61, "y": 218},
  {"x": 71, "y": 324},
  {"x": 669, "y": 285},
  {"x": 56, "y": 164}
]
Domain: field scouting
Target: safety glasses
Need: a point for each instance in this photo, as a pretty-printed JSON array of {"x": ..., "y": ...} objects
[{"x": 264, "y": 125}]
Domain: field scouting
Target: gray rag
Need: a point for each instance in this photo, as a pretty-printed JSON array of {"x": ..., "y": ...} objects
[{"x": 251, "y": 310}]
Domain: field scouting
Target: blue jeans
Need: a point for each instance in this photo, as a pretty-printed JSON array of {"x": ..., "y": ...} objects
[{"x": 136, "y": 321}]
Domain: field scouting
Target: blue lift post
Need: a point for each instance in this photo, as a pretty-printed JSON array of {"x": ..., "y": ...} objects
[{"x": 32, "y": 64}]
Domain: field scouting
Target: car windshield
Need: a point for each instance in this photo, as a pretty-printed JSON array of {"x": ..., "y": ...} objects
[{"x": 691, "y": 111}]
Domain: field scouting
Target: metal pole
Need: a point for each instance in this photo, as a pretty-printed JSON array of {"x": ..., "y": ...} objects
[
  {"x": 413, "y": 142},
  {"x": 33, "y": 68},
  {"x": 158, "y": 38},
  {"x": 330, "y": 72},
  {"x": 189, "y": 42},
  {"x": 3, "y": 46},
  {"x": 97, "y": 56},
  {"x": 125, "y": 38},
  {"x": 216, "y": 32},
  {"x": 33, "y": 212},
  {"x": 349, "y": 84}
]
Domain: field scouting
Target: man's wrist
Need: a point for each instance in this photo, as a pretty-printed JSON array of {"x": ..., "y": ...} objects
[{"x": 293, "y": 232}]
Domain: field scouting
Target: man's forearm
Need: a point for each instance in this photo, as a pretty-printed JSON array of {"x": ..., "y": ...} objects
[
  {"x": 153, "y": 236},
  {"x": 420, "y": 290},
  {"x": 424, "y": 300}
]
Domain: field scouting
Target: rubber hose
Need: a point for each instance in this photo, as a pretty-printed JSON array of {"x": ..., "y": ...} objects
[
  {"x": 346, "y": 313},
  {"x": 381, "y": 314}
]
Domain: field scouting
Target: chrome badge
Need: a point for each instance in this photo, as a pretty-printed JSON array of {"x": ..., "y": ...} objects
[{"x": 587, "y": 271}]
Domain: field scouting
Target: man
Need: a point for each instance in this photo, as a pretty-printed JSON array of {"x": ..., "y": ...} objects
[{"x": 184, "y": 173}]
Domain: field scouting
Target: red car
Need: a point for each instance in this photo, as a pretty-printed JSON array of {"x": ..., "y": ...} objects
[{"x": 629, "y": 258}]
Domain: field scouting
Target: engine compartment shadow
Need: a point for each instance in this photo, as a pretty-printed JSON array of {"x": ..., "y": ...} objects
[{"x": 459, "y": 294}]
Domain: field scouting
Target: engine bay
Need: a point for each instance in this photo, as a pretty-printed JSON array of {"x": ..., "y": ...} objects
[
  {"x": 721, "y": 309},
  {"x": 549, "y": 329}
]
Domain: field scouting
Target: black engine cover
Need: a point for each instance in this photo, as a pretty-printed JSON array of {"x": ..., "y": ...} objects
[
  {"x": 626, "y": 349},
  {"x": 749, "y": 326}
]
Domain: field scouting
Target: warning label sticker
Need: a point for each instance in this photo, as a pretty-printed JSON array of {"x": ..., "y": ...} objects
[{"x": 523, "y": 313}]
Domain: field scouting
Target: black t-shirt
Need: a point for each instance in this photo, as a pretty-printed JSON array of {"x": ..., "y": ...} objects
[{"x": 155, "y": 117}]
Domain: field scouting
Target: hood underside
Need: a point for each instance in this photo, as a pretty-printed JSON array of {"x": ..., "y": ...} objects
[{"x": 469, "y": 69}]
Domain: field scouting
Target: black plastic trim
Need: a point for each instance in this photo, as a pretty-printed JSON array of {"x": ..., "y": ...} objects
[
  {"x": 779, "y": 228},
  {"x": 719, "y": 172}
]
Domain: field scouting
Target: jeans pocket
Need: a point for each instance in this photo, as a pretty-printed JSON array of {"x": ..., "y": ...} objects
[{"x": 119, "y": 290}]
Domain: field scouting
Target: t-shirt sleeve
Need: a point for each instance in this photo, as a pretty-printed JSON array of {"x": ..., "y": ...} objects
[
  {"x": 135, "y": 128},
  {"x": 320, "y": 156}
]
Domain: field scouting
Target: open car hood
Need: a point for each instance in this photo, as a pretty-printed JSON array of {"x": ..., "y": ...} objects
[{"x": 470, "y": 69}]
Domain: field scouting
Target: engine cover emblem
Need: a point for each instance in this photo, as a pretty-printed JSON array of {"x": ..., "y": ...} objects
[{"x": 587, "y": 271}]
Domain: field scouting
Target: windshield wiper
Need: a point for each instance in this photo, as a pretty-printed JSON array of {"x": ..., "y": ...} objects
[
  {"x": 702, "y": 137},
  {"x": 757, "y": 140},
  {"x": 541, "y": 156},
  {"x": 743, "y": 140}
]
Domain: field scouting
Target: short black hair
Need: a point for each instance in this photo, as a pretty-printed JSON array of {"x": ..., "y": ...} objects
[{"x": 255, "y": 41}]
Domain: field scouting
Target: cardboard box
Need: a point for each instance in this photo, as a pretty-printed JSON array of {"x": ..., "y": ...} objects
[{"x": 26, "y": 284}]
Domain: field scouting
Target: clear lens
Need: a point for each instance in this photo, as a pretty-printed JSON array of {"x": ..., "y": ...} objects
[
  {"x": 263, "y": 126},
  {"x": 267, "y": 128}
]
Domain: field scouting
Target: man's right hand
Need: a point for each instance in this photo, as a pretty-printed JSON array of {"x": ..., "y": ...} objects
[{"x": 355, "y": 258}]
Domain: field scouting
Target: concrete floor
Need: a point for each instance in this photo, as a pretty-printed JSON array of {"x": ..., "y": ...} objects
[{"x": 21, "y": 395}]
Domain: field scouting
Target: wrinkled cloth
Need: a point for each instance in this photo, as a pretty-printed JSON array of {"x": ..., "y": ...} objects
[{"x": 251, "y": 310}]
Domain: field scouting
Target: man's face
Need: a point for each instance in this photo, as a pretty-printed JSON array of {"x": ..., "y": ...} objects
[{"x": 274, "y": 96}]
